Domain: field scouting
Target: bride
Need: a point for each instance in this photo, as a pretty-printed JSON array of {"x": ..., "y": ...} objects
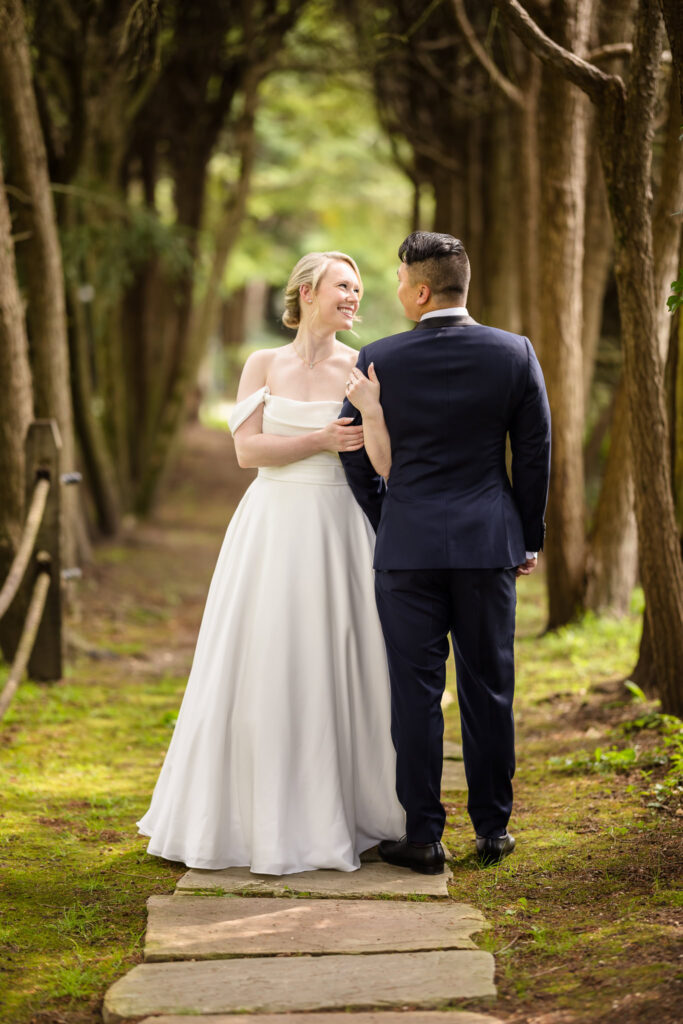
[{"x": 281, "y": 758}]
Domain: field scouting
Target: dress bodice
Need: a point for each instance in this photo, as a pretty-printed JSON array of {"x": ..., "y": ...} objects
[{"x": 290, "y": 417}]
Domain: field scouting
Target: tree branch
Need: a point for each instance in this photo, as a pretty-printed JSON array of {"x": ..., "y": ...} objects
[
  {"x": 426, "y": 62},
  {"x": 592, "y": 80},
  {"x": 611, "y": 50},
  {"x": 444, "y": 43},
  {"x": 510, "y": 90}
]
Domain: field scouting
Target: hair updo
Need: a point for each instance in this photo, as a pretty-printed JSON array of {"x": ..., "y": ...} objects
[{"x": 309, "y": 270}]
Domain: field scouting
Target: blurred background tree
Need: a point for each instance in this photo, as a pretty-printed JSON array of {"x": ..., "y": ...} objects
[{"x": 195, "y": 152}]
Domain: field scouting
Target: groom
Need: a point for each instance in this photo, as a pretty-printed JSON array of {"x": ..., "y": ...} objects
[{"x": 453, "y": 533}]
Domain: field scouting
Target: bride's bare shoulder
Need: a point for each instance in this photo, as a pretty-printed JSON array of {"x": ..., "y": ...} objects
[
  {"x": 261, "y": 358},
  {"x": 255, "y": 371}
]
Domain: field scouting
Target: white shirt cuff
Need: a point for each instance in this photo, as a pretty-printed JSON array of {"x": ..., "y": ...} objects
[{"x": 531, "y": 554}]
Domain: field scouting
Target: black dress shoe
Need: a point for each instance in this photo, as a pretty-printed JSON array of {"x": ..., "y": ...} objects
[
  {"x": 491, "y": 849},
  {"x": 428, "y": 859}
]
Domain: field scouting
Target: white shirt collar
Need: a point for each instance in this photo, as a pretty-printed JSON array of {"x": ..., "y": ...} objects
[{"x": 449, "y": 311}]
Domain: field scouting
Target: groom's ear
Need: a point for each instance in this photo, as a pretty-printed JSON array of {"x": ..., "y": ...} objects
[{"x": 424, "y": 294}]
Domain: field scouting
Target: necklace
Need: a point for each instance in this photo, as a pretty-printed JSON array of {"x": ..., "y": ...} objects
[{"x": 306, "y": 361}]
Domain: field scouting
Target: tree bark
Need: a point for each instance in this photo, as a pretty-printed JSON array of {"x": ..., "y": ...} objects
[
  {"x": 99, "y": 469},
  {"x": 563, "y": 148},
  {"x": 644, "y": 673},
  {"x": 474, "y": 211},
  {"x": 16, "y": 412},
  {"x": 529, "y": 207},
  {"x": 626, "y": 118},
  {"x": 205, "y": 314},
  {"x": 450, "y": 203},
  {"x": 628, "y": 162},
  {"x": 667, "y": 219},
  {"x": 672, "y": 11},
  {"x": 678, "y": 427},
  {"x": 666, "y": 230},
  {"x": 500, "y": 273},
  {"x": 597, "y": 261},
  {"x": 40, "y": 255},
  {"x": 612, "y": 562}
]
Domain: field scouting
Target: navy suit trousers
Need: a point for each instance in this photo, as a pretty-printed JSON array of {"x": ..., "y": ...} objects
[{"x": 418, "y": 608}]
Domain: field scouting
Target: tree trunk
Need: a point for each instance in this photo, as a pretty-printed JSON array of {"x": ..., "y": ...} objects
[
  {"x": 500, "y": 273},
  {"x": 644, "y": 674},
  {"x": 563, "y": 146},
  {"x": 100, "y": 473},
  {"x": 667, "y": 220},
  {"x": 529, "y": 207},
  {"x": 40, "y": 254},
  {"x": 597, "y": 260},
  {"x": 165, "y": 402},
  {"x": 626, "y": 130},
  {"x": 666, "y": 230},
  {"x": 613, "y": 558},
  {"x": 205, "y": 315},
  {"x": 449, "y": 199},
  {"x": 678, "y": 427},
  {"x": 474, "y": 211},
  {"x": 612, "y": 563},
  {"x": 673, "y": 19},
  {"x": 627, "y": 154},
  {"x": 613, "y": 24},
  {"x": 16, "y": 412}
]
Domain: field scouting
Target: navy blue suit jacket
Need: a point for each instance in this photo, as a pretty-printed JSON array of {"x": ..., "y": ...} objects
[{"x": 452, "y": 390}]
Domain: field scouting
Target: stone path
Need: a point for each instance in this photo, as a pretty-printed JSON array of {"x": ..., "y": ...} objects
[
  {"x": 382, "y": 1017},
  {"x": 230, "y": 943},
  {"x": 212, "y": 927},
  {"x": 372, "y": 880}
]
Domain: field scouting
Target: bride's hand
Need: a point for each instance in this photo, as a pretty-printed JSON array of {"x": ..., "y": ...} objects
[
  {"x": 338, "y": 436},
  {"x": 362, "y": 391}
]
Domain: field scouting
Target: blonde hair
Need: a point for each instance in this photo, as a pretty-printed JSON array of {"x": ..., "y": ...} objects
[{"x": 309, "y": 270}]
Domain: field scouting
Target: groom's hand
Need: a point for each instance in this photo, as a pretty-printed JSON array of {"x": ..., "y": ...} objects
[{"x": 527, "y": 567}]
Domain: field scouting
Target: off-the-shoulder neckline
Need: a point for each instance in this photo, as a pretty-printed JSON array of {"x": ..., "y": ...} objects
[{"x": 303, "y": 401}]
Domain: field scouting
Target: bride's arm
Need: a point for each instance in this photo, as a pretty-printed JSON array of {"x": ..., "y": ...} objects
[
  {"x": 363, "y": 392},
  {"x": 254, "y": 448}
]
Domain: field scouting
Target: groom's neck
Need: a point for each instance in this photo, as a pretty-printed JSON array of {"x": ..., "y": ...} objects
[{"x": 448, "y": 301}]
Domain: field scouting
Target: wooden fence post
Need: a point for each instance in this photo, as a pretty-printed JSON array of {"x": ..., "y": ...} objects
[{"x": 43, "y": 459}]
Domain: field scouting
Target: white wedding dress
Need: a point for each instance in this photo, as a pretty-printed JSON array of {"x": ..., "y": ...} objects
[{"x": 281, "y": 758}]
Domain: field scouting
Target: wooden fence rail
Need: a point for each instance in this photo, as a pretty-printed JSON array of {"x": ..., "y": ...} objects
[
  {"x": 36, "y": 568},
  {"x": 25, "y": 549}
]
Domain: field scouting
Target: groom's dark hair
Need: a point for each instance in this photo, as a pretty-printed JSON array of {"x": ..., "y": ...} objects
[{"x": 439, "y": 260}]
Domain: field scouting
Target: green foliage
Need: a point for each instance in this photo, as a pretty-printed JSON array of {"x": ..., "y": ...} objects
[
  {"x": 604, "y": 761},
  {"x": 675, "y": 300},
  {"x": 325, "y": 178},
  {"x": 110, "y": 241},
  {"x": 668, "y": 754},
  {"x": 636, "y": 692}
]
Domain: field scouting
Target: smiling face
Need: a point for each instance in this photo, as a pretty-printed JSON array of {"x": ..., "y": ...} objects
[{"x": 335, "y": 301}]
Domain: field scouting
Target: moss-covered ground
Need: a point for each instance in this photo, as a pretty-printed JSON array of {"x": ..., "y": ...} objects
[{"x": 585, "y": 916}]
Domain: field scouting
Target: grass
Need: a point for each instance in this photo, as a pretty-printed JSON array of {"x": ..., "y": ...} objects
[{"x": 584, "y": 917}]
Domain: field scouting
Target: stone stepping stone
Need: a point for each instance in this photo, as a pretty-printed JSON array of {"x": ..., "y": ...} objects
[
  {"x": 281, "y": 984},
  {"x": 205, "y": 927},
  {"x": 453, "y": 776},
  {"x": 452, "y": 750},
  {"x": 374, "y": 878},
  {"x": 382, "y": 1017}
]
